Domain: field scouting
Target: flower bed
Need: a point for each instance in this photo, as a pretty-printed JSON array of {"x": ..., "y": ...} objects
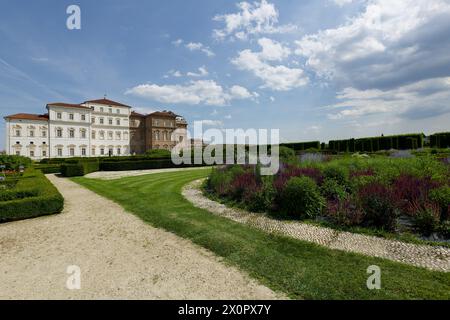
[{"x": 375, "y": 193}]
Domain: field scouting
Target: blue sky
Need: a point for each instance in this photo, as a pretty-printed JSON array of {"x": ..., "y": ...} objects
[{"x": 314, "y": 69}]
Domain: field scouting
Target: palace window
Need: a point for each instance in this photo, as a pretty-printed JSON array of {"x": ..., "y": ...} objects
[
  {"x": 118, "y": 135},
  {"x": 102, "y": 135},
  {"x": 17, "y": 133},
  {"x": 31, "y": 133},
  {"x": 71, "y": 133},
  {"x": 117, "y": 111},
  {"x": 110, "y": 121},
  {"x": 93, "y": 151},
  {"x": 101, "y": 120},
  {"x": 59, "y": 133},
  {"x": 110, "y": 135},
  {"x": 44, "y": 134},
  {"x": 118, "y": 151},
  {"x": 156, "y": 135},
  {"x": 59, "y": 115},
  {"x": 44, "y": 153},
  {"x": 31, "y": 153},
  {"x": 71, "y": 117},
  {"x": 59, "y": 152},
  {"x": 72, "y": 152},
  {"x": 101, "y": 109},
  {"x": 83, "y": 117},
  {"x": 118, "y": 122},
  {"x": 102, "y": 151},
  {"x": 83, "y": 134},
  {"x": 83, "y": 151},
  {"x": 93, "y": 120}
]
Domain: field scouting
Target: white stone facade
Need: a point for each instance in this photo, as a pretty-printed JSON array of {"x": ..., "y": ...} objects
[{"x": 93, "y": 128}]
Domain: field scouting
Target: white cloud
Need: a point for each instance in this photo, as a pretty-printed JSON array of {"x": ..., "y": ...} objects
[
  {"x": 206, "y": 92},
  {"x": 423, "y": 99},
  {"x": 197, "y": 46},
  {"x": 251, "y": 19},
  {"x": 342, "y": 3},
  {"x": 242, "y": 93},
  {"x": 177, "y": 42},
  {"x": 211, "y": 123},
  {"x": 202, "y": 72},
  {"x": 228, "y": 117},
  {"x": 279, "y": 77},
  {"x": 390, "y": 43}
]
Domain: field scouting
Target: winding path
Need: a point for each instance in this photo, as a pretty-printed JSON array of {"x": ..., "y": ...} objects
[
  {"x": 433, "y": 258},
  {"x": 119, "y": 257}
]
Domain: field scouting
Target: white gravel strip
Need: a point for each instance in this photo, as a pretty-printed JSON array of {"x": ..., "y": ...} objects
[
  {"x": 111, "y": 175},
  {"x": 433, "y": 258},
  {"x": 120, "y": 257}
]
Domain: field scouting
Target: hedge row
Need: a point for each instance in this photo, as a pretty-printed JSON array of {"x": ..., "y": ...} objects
[
  {"x": 80, "y": 168},
  {"x": 398, "y": 142},
  {"x": 440, "y": 140},
  {"x": 48, "y": 168},
  {"x": 301, "y": 146},
  {"x": 12, "y": 162},
  {"x": 140, "y": 165},
  {"x": 32, "y": 196}
]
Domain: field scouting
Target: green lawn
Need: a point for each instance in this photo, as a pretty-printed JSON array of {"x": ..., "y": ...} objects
[{"x": 300, "y": 269}]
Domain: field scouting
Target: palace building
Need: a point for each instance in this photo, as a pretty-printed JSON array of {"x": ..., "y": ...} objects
[{"x": 93, "y": 128}]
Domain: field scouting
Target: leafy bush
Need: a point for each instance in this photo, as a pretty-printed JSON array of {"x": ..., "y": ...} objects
[
  {"x": 48, "y": 168},
  {"x": 332, "y": 190},
  {"x": 262, "y": 197},
  {"x": 220, "y": 179},
  {"x": 338, "y": 173},
  {"x": 345, "y": 211},
  {"x": 12, "y": 162},
  {"x": 287, "y": 155},
  {"x": 426, "y": 218},
  {"x": 441, "y": 196},
  {"x": 378, "y": 205},
  {"x": 34, "y": 196},
  {"x": 301, "y": 198}
]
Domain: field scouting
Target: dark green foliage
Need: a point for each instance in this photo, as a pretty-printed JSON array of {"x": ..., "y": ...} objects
[
  {"x": 48, "y": 168},
  {"x": 158, "y": 154},
  {"x": 332, "y": 190},
  {"x": 440, "y": 140},
  {"x": 338, "y": 173},
  {"x": 32, "y": 196},
  {"x": 80, "y": 168},
  {"x": 426, "y": 218},
  {"x": 373, "y": 144},
  {"x": 287, "y": 155},
  {"x": 301, "y": 198},
  {"x": 441, "y": 196},
  {"x": 13, "y": 162},
  {"x": 139, "y": 165},
  {"x": 301, "y": 146}
]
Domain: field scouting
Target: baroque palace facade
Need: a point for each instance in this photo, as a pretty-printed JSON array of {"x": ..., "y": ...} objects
[{"x": 93, "y": 128}]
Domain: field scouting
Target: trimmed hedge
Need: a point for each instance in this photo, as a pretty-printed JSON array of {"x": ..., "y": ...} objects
[
  {"x": 440, "y": 140},
  {"x": 398, "y": 142},
  {"x": 301, "y": 146},
  {"x": 12, "y": 162},
  {"x": 139, "y": 165},
  {"x": 34, "y": 195},
  {"x": 48, "y": 168},
  {"x": 80, "y": 168}
]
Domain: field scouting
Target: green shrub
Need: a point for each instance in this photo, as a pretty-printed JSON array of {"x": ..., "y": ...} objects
[
  {"x": 287, "y": 155},
  {"x": 12, "y": 162},
  {"x": 44, "y": 198},
  {"x": 139, "y": 165},
  {"x": 442, "y": 197},
  {"x": 72, "y": 170},
  {"x": 48, "y": 168},
  {"x": 301, "y": 198},
  {"x": 338, "y": 173},
  {"x": 426, "y": 219},
  {"x": 158, "y": 154},
  {"x": 220, "y": 179},
  {"x": 261, "y": 199},
  {"x": 332, "y": 190}
]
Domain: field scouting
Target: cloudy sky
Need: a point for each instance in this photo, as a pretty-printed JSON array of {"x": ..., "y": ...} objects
[{"x": 314, "y": 69}]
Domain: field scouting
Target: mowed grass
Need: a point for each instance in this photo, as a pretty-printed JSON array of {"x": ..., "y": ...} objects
[{"x": 300, "y": 269}]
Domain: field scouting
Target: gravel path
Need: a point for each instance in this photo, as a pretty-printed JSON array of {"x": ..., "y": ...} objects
[
  {"x": 111, "y": 175},
  {"x": 118, "y": 254},
  {"x": 434, "y": 258}
]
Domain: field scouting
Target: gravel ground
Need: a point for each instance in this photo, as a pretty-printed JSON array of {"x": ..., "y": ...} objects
[
  {"x": 111, "y": 175},
  {"x": 119, "y": 256},
  {"x": 434, "y": 258}
]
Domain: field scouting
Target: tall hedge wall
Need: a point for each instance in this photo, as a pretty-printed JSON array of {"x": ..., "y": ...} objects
[
  {"x": 440, "y": 140},
  {"x": 301, "y": 146},
  {"x": 399, "y": 142}
]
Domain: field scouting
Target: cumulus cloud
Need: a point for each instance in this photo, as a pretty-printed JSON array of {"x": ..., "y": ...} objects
[
  {"x": 423, "y": 99},
  {"x": 278, "y": 77},
  {"x": 197, "y": 46},
  {"x": 206, "y": 92},
  {"x": 211, "y": 123},
  {"x": 389, "y": 44},
  {"x": 251, "y": 19},
  {"x": 202, "y": 72}
]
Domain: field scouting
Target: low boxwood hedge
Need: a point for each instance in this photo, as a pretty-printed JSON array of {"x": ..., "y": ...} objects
[
  {"x": 79, "y": 168},
  {"x": 48, "y": 168},
  {"x": 32, "y": 196},
  {"x": 139, "y": 165}
]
